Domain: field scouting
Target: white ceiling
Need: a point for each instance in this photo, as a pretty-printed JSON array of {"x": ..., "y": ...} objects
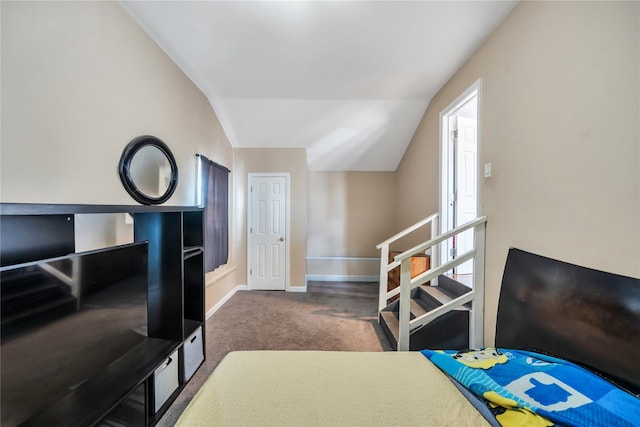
[{"x": 348, "y": 80}]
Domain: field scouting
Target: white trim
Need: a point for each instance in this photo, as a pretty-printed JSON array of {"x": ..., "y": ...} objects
[
  {"x": 199, "y": 201},
  {"x": 297, "y": 288},
  {"x": 341, "y": 258},
  {"x": 441, "y": 238},
  {"x": 287, "y": 261},
  {"x": 338, "y": 278},
  {"x": 474, "y": 90},
  {"x": 224, "y": 299},
  {"x": 476, "y": 319},
  {"x": 218, "y": 276},
  {"x": 407, "y": 230},
  {"x": 478, "y": 84}
]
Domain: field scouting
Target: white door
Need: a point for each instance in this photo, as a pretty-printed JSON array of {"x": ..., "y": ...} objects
[
  {"x": 459, "y": 193},
  {"x": 466, "y": 170},
  {"x": 267, "y": 242}
]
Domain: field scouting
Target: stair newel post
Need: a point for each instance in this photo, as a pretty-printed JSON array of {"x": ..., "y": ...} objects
[
  {"x": 476, "y": 327},
  {"x": 384, "y": 271},
  {"x": 434, "y": 261},
  {"x": 404, "y": 314}
]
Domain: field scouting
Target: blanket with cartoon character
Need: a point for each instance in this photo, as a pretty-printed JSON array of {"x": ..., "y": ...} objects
[{"x": 530, "y": 389}]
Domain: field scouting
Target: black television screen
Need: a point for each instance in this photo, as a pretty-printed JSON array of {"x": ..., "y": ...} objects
[{"x": 64, "y": 320}]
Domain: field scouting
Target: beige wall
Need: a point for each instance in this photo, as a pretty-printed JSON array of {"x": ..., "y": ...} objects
[
  {"x": 560, "y": 107},
  {"x": 349, "y": 214},
  {"x": 272, "y": 160},
  {"x": 79, "y": 81}
]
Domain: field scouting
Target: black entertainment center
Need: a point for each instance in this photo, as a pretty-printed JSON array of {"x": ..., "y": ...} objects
[{"x": 105, "y": 337}]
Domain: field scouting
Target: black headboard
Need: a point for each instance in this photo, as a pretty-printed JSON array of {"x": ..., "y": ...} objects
[{"x": 586, "y": 316}]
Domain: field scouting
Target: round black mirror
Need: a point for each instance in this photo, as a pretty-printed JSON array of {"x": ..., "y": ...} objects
[{"x": 148, "y": 170}]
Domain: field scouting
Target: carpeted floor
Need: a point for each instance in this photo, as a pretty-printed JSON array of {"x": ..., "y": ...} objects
[{"x": 329, "y": 316}]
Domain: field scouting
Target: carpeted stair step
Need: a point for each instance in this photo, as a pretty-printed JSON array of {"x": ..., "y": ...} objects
[
  {"x": 389, "y": 319},
  {"x": 449, "y": 330},
  {"x": 416, "y": 308},
  {"x": 452, "y": 286},
  {"x": 435, "y": 296},
  {"x": 390, "y": 326}
]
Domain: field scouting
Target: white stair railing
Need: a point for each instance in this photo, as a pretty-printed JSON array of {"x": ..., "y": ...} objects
[
  {"x": 386, "y": 266},
  {"x": 475, "y": 296}
]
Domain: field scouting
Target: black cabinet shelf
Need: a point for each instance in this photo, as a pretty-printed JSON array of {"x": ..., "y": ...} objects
[
  {"x": 93, "y": 399},
  {"x": 46, "y": 209},
  {"x": 123, "y": 392},
  {"x": 192, "y": 251}
]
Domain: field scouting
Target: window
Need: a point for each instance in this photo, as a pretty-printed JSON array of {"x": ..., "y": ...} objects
[{"x": 214, "y": 180}]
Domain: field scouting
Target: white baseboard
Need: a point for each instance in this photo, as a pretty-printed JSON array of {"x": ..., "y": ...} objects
[
  {"x": 297, "y": 288},
  {"x": 224, "y": 299},
  {"x": 338, "y": 278},
  {"x": 214, "y": 277},
  {"x": 342, "y": 258}
]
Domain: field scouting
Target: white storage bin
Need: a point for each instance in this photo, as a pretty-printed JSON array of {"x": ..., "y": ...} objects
[
  {"x": 193, "y": 352},
  {"x": 165, "y": 380}
]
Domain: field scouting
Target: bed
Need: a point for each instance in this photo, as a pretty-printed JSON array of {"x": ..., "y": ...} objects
[{"x": 551, "y": 316}]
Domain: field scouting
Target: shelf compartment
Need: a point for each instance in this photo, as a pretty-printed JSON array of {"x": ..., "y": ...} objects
[
  {"x": 192, "y": 225},
  {"x": 193, "y": 291},
  {"x": 132, "y": 411}
]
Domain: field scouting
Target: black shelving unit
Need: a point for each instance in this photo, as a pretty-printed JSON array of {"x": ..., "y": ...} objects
[
  {"x": 192, "y": 352},
  {"x": 123, "y": 393}
]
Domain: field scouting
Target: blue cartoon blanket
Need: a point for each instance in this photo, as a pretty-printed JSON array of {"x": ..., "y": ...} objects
[{"x": 526, "y": 388}]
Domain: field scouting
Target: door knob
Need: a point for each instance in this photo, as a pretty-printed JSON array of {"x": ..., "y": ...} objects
[{"x": 282, "y": 239}]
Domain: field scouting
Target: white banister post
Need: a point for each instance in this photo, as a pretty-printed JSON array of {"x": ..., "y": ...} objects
[
  {"x": 434, "y": 261},
  {"x": 404, "y": 314},
  {"x": 384, "y": 277},
  {"x": 476, "y": 326}
]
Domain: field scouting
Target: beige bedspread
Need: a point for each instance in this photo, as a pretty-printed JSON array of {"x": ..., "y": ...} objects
[{"x": 298, "y": 388}]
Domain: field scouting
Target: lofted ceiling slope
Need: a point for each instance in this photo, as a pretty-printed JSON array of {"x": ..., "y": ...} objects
[{"x": 347, "y": 80}]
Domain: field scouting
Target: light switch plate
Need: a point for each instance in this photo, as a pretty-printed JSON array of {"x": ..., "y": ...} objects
[{"x": 487, "y": 170}]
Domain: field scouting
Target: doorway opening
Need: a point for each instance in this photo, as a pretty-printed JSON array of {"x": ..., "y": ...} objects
[{"x": 459, "y": 180}]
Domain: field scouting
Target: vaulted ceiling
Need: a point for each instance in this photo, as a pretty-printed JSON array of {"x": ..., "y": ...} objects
[{"x": 348, "y": 80}]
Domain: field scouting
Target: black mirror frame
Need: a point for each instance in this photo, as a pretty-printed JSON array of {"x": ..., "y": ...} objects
[{"x": 125, "y": 173}]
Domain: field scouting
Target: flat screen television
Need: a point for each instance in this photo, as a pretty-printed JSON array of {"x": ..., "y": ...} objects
[{"x": 64, "y": 320}]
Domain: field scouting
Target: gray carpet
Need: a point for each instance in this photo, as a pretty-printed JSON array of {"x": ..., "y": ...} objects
[{"x": 329, "y": 316}]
